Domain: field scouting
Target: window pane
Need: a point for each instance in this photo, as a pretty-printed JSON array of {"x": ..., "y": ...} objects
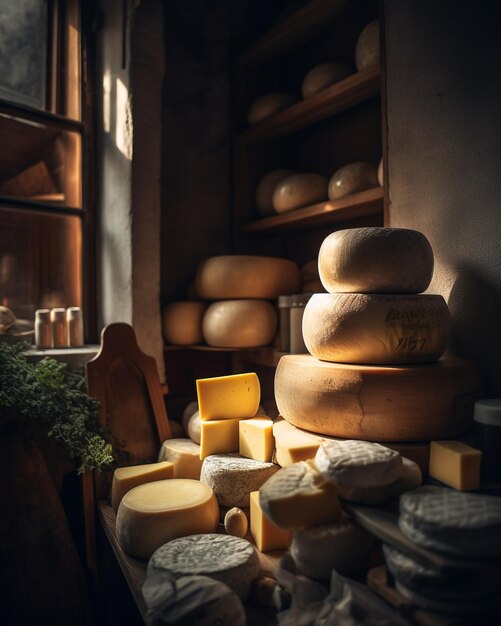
[
  {"x": 42, "y": 163},
  {"x": 23, "y": 51},
  {"x": 40, "y": 261}
]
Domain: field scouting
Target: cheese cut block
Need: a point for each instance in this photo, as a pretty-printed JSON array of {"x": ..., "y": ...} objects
[
  {"x": 239, "y": 324},
  {"x": 367, "y": 47},
  {"x": 266, "y": 534},
  {"x": 299, "y": 496},
  {"x": 256, "y": 438},
  {"x": 184, "y": 454},
  {"x": 193, "y": 427},
  {"x": 376, "y": 328},
  {"x": 233, "y": 477},
  {"x": 236, "y": 522},
  {"x": 228, "y": 397},
  {"x": 191, "y": 600},
  {"x": 322, "y": 76},
  {"x": 157, "y": 512},
  {"x": 299, "y": 190},
  {"x": 352, "y": 178},
  {"x": 267, "y": 105},
  {"x": 375, "y": 259},
  {"x": 217, "y": 436},
  {"x": 126, "y": 478},
  {"x": 265, "y": 189},
  {"x": 457, "y": 523},
  {"x": 456, "y": 464},
  {"x": 182, "y": 322},
  {"x": 234, "y": 276},
  {"x": 231, "y": 560},
  {"x": 376, "y": 403},
  {"x": 342, "y": 545}
]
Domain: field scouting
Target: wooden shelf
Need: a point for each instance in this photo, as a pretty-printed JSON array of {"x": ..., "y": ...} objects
[
  {"x": 362, "y": 204},
  {"x": 343, "y": 95},
  {"x": 266, "y": 355}
]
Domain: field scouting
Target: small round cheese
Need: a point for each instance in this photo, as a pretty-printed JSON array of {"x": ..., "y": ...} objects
[
  {"x": 299, "y": 190},
  {"x": 352, "y": 178},
  {"x": 236, "y": 522},
  {"x": 182, "y": 322},
  {"x": 376, "y": 328},
  {"x": 265, "y": 189},
  {"x": 245, "y": 276},
  {"x": 184, "y": 454},
  {"x": 157, "y": 512},
  {"x": 322, "y": 76},
  {"x": 194, "y": 428},
  {"x": 239, "y": 324},
  {"x": 232, "y": 560},
  {"x": 267, "y": 105},
  {"x": 188, "y": 411},
  {"x": 367, "y": 47},
  {"x": 375, "y": 260}
]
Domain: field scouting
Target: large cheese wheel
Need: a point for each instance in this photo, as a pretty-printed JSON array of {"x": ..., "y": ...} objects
[
  {"x": 322, "y": 76},
  {"x": 376, "y": 328},
  {"x": 265, "y": 189},
  {"x": 352, "y": 178},
  {"x": 269, "y": 104},
  {"x": 239, "y": 324},
  {"x": 299, "y": 190},
  {"x": 182, "y": 322},
  {"x": 375, "y": 260},
  {"x": 367, "y": 46},
  {"x": 245, "y": 276},
  {"x": 399, "y": 403}
]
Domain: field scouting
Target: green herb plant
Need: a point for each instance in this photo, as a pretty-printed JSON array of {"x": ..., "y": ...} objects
[{"x": 53, "y": 400}]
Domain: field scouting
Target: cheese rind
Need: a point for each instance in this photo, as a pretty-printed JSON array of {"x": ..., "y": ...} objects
[
  {"x": 228, "y": 397},
  {"x": 256, "y": 438},
  {"x": 126, "y": 478},
  {"x": 265, "y": 189},
  {"x": 376, "y": 328},
  {"x": 352, "y": 178},
  {"x": 182, "y": 322},
  {"x": 184, "y": 454},
  {"x": 218, "y": 436},
  {"x": 456, "y": 464},
  {"x": 367, "y": 47},
  {"x": 322, "y": 76},
  {"x": 266, "y": 535},
  {"x": 152, "y": 514},
  {"x": 299, "y": 190},
  {"x": 239, "y": 324}
]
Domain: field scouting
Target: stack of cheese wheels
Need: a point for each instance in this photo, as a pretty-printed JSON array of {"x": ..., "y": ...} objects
[
  {"x": 375, "y": 340},
  {"x": 242, "y": 286}
]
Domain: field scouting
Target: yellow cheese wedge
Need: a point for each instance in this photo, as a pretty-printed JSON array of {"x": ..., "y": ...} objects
[
  {"x": 256, "y": 438},
  {"x": 228, "y": 397},
  {"x": 126, "y": 478},
  {"x": 157, "y": 512},
  {"x": 185, "y": 456},
  {"x": 266, "y": 535},
  {"x": 456, "y": 464},
  {"x": 218, "y": 436}
]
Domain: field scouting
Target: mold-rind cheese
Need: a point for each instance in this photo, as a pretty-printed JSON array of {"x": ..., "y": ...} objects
[
  {"x": 456, "y": 464},
  {"x": 376, "y": 328},
  {"x": 228, "y": 397},
  {"x": 184, "y": 454},
  {"x": 266, "y": 534},
  {"x": 239, "y": 323},
  {"x": 126, "y": 478}
]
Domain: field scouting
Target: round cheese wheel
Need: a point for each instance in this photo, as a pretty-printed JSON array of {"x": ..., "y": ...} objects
[
  {"x": 184, "y": 454},
  {"x": 380, "y": 173},
  {"x": 322, "y": 76},
  {"x": 239, "y": 324},
  {"x": 265, "y": 189},
  {"x": 193, "y": 428},
  {"x": 352, "y": 178},
  {"x": 309, "y": 271},
  {"x": 298, "y": 191},
  {"x": 182, "y": 322},
  {"x": 376, "y": 328},
  {"x": 367, "y": 46},
  {"x": 188, "y": 411},
  {"x": 376, "y": 403},
  {"x": 157, "y": 512},
  {"x": 375, "y": 260},
  {"x": 245, "y": 276},
  {"x": 269, "y": 104}
]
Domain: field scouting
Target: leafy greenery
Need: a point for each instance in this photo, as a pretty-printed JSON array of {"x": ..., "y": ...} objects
[{"x": 51, "y": 398}]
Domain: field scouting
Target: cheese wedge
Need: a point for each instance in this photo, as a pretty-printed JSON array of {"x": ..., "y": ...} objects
[
  {"x": 455, "y": 464},
  {"x": 228, "y": 397},
  {"x": 218, "y": 436},
  {"x": 256, "y": 438},
  {"x": 126, "y": 478},
  {"x": 266, "y": 535}
]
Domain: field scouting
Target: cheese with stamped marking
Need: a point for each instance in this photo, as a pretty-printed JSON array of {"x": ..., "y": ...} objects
[
  {"x": 126, "y": 478},
  {"x": 184, "y": 454}
]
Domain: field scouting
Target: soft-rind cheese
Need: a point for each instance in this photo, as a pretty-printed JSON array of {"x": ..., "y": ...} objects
[
  {"x": 455, "y": 464},
  {"x": 184, "y": 454},
  {"x": 299, "y": 190},
  {"x": 232, "y": 560},
  {"x": 152, "y": 514},
  {"x": 268, "y": 104},
  {"x": 228, "y": 397},
  {"x": 352, "y": 178},
  {"x": 233, "y": 477},
  {"x": 322, "y": 76},
  {"x": 182, "y": 322},
  {"x": 367, "y": 47},
  {"x": 265, "y": 189},
  {"x": 375, "y": 260},
  {"x": 376, "y": 328},
  {"x": 239, "y": 323},
  {"x": 126, "y": 478}
]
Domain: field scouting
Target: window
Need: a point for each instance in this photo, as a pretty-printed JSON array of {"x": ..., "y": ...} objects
[{"x": 45, "y": 213}]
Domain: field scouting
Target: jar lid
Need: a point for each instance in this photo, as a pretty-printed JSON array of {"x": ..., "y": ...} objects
[{"x": 488, "y": 412}]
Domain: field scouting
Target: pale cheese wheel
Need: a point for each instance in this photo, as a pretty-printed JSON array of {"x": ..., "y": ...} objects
[
  {"x": 375, "y": 259},
  {"x": 367, "y": 47},
  {"x": 157, "y": 512},
  {"x": 188, "y": 411},
  {"x": 376, "y": 328},
  {"x": 265, "y": 189},
  {"x": 239, "y": 324},
  {"x": 184, "y": 454},
  {"x": 267, "y": 105},
  {"x": 182, "y": 322},
  {"x": 228, "y": 277},
  {"x": 322, "y": 76},
  {"x": 299, "y": 190},
  {"x": 376, "y": 403},
  {"x": 352, "y": 178},
  {"x": 193, "y": 428}
]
